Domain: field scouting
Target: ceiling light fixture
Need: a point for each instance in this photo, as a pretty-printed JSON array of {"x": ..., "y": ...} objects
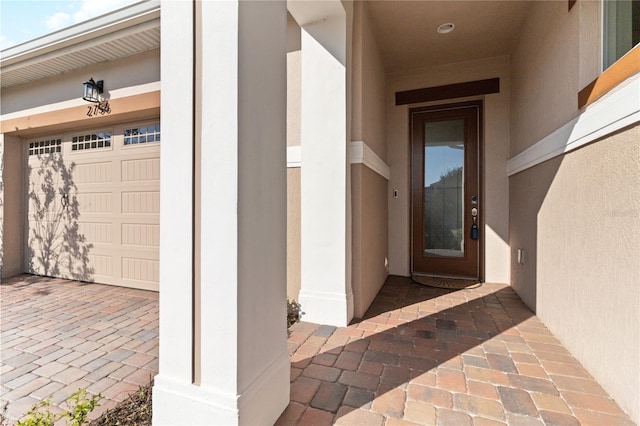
[{"x": 446, "y": 28}]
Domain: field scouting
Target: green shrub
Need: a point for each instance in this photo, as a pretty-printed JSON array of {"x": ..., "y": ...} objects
[{"x": 78, "y": 407}]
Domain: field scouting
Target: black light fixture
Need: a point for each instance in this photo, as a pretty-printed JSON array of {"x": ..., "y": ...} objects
[{"x": 92, "y": 90}]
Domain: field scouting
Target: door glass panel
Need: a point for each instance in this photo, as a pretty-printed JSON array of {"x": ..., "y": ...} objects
[{"x": 443, "y": 188}]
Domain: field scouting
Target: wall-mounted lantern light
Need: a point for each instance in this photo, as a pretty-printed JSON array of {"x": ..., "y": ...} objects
[{"x": 92, "y": 90}]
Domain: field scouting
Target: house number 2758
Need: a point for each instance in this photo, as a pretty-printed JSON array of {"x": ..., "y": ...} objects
[{"x": 100, "y": 108}]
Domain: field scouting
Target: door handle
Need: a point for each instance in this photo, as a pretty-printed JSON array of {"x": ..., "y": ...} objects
[{"x": 475, "y": 231}]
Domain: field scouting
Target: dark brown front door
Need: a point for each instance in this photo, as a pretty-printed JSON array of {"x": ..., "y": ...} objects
[{"x": 445, "y": 190}]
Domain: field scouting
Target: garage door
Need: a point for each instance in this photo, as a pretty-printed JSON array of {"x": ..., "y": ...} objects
[{"x": 93, "y": 202}]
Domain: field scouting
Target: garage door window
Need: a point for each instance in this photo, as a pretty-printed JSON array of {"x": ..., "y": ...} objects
[
  {"x": 142, "y": 135},
  {"x": 47, "y": 146},
  {"x": 91, "y": 141}
]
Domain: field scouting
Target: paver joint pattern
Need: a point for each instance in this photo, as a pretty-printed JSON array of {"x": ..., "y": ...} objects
[
  {"x": 426, "y": 356},
  {"x": 419, "y": 356},
  {"x": 58, "y": 336}
]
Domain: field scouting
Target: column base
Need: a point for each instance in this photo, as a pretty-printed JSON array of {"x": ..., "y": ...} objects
[
  {"x": 176, "y": 402},
  {"x": 328, "y": 308}
]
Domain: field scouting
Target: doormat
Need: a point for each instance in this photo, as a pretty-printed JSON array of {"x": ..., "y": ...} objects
[{"x": 448, "y": 283}]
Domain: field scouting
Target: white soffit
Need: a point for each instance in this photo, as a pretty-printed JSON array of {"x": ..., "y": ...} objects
[{"x": 121, "y": 33}]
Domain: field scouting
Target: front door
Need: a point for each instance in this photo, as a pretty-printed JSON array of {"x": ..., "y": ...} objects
[{"x": 445, "y": 190}]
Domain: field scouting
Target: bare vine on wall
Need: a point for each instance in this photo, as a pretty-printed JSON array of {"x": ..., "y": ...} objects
[{"x": 56, "y": 245}]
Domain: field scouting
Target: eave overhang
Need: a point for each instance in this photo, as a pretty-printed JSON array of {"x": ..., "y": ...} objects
[{"x": 124, "y": 32}]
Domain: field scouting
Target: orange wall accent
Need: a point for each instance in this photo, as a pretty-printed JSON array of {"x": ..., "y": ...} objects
[{"x": 624, "y": 68}]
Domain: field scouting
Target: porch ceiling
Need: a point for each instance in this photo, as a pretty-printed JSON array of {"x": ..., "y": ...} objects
[{"x": 407, "y": 36}]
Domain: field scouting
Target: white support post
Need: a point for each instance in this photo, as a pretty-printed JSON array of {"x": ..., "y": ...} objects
[
  {"x": 325, "y": 293},
  {"x": 240, "y": 373}
]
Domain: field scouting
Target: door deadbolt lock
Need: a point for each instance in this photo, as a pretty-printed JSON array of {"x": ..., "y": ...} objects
[{"x": 474, "y": 212}]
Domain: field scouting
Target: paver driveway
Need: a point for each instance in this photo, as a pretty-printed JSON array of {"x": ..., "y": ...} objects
[
  {"x": 420, "y": 356},
  {"x": 58, "y": 336},
  {"x": 431, "y": 356}
]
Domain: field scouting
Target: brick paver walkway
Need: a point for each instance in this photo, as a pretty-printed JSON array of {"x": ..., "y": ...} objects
[
  {"x": 58, "y": 336},
  {"x": 420, "y": 356},
  {"x": 430, "y": 356}
]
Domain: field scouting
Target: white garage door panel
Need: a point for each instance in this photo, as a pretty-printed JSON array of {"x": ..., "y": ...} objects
[{"x": 110, "y": 231}]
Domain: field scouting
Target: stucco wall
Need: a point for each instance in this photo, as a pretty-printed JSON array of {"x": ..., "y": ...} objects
[
  {"x": 294, "y": 92},
  {"x": 370, "y": 241},
  {"x": 368, "y": 188},
  {"x": 495, "y": 205},
  {"x": 556, "y": 56},
  {"x": 294, "y": 83},
  {"x": 578, "y": 219},
  {"x": 293, "y": 232},
  {"x": 576, "y": 216},
  {"x": 369, "y": 84},
  {"x": 12, "y": 206},
  {"x": 132, "y": 71}
]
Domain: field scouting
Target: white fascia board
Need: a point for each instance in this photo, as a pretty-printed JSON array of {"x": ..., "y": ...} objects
[
  {"x": 124, "y": 17},
  {"x": 618, "y": 109},
  {"x": 362, "y": 154}
]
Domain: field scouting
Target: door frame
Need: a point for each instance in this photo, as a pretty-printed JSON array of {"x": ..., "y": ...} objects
[{"x": 479, "y": 104}]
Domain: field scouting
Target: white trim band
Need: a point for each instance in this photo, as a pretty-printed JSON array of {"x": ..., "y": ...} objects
[
  {"x": 360, "y": 153},
  {"x": 294, "y": 156},
  {"x": 113, "y": 95},
  {"x": 618, "y": 109}
]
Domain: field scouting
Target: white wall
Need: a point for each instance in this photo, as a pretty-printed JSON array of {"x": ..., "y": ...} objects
[{"x": 495, "y": 146}]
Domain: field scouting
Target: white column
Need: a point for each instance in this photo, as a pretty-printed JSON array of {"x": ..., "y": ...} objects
[
  {"x": 325, "y": 293},
  {"x": 241, "y": 373}
]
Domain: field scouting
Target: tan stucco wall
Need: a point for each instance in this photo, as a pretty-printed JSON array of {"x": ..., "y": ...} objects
[
  {"x": 294, "y": 92},
  {"x": 369, "y": 208},
  {"x": 556, "y": 56},
  {"x": 294, "y": 82},
  {"x": 496, "y": 150},
  {"x": 293, "y": 232},
  {"x": 370, "y": 238},
  {"x": 12, "y": 206},
  {"x": 578, "y": 218},
  {"x": 369, "y": 85}
]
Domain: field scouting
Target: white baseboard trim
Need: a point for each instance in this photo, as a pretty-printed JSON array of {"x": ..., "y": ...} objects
[
  {"x": 323, "y": 307},
  {"x": 178, "y": 402},
  {"x": 616, "y": 110},
  {"x": 267, "y": 397}
]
